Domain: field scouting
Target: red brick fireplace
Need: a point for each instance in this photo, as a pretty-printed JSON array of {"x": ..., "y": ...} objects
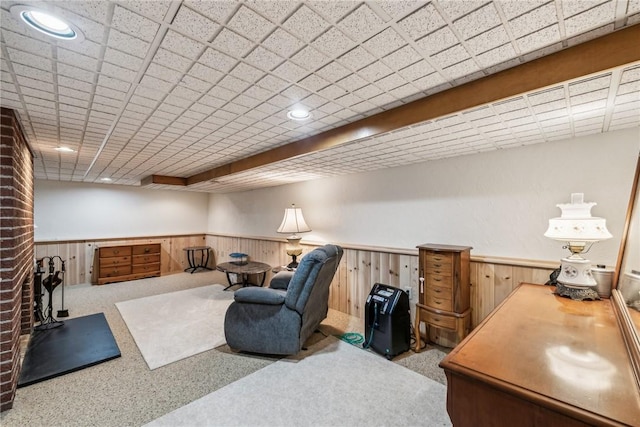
[{"x": 16, "y": 250}]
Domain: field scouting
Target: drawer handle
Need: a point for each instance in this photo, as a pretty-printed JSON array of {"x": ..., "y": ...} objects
[
  {"x": 437, "y": 291},
  {"x": 438, "y": 302},
  {"x": 116, "y": 252},
  {"x": 146, "y": 250},
  {"x": 436, "y": 319},
  {"x": 436, "y": 279}
]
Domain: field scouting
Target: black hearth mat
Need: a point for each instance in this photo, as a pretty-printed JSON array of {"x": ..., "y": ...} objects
[{"x": 79, "y": 343}]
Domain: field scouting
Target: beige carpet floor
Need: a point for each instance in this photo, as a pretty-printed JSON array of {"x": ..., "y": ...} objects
[
  {"x": 169, "y": 327},
  {"x": 124, "y": 392},
  {"x": 331, "y": 384}
]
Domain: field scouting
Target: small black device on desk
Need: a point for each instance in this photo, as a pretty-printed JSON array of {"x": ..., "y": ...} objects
[{"x": 387, "y": 321}]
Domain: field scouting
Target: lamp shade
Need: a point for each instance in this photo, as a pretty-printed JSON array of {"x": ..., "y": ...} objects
[
  {"x": 576, "y": 223},
  {"x": 293, "y": 221}
]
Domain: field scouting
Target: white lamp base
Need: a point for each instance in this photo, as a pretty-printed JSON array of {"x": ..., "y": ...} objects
[{"x": 575, "y": 272}]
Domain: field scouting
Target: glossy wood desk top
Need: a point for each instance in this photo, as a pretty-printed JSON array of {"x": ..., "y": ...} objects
[{"x": 565, "y": 355}]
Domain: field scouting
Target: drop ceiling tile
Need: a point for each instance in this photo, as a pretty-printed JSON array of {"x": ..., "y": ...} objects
[
  {"x": 28, "y": 59},
  {"x": 118, "y": 72},
  {"x": 194, "y": 24},
  {"x": 263, "y": 58},
  {"x": 128, "y": 44},
  {"x": 416, "y": 71},
  {"x": 352, "y": 82},
  {"x": 305, "y": 24},
  {"x": 361, "y": 23},
  {"x": 122, "y": 59},
  {"x": 155, "y": 10},
  {"x": 205, "y": 73},
  {"x": 75, "y": 73},
  {"x": 290, "y": 71},
  {"x": 331, "y": 92},
  {"x": 402, "y": 58},
  {"x": 219, "y": 11},
  {"x": 218, "y": 60},
  {"x": 539, "y": 39},
  {"x": 496, "y": 56},
  {"x": 195, "y": 84},
  {"x": 283, "y": 43},
  {"x": 437, "y": 41},
  {"x": 375, "y": 71},
  {"x": 513, "y": 9},
  {"x": 452, "y": 55},
  {"x": 534, "y": 20},
  {"x": 404, "y": 91},
  {"x": 92, "y": 30},
  {"x": 185, "y": 46},
  {"x": 171, "y": 60},
  {"x": 314, "y": 82},
  {"x": 478, "y": 21},
  {"x": 164, "y": 73},
  {"x": 310, "y": 58},
  {"x": 629, "y": 88},
  {"x": 356, "y": 58},
  {"x": 333, "y": 42},
  {"x": 488, "y": 40},
  {"x": 421, "y": 22},
  {"x": 134, "y": 24},
  {"x": 250, "y": 24},
  {"x": 367, "y": 92},
  {"x": 35, "y": 84},
  {"x": 272, "y": 83},
  {"x": 590, "y": 19},
  {"x": 28, "y": 44},
  {"x": 454, "y": 9},
  {"x": 276, "y": 11},
  {"x": 431, "y": 82},
  {"x": 156, "y": 84}
]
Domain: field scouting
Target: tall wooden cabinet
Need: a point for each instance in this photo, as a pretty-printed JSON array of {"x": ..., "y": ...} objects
[
  {"x": 128, "y": 262},
  {"x": 444, "y": 290}
]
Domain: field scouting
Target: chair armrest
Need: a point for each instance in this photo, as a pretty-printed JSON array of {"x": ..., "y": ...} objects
[
  {"x": 281, "y": 280},
  {"x": 254, "y": 295}
]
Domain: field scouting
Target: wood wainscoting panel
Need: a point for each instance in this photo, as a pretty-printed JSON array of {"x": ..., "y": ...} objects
[{"x": 361, "y": 267}]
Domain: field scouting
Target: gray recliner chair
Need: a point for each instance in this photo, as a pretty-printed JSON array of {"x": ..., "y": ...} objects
[{"x": 280, "y": 318}]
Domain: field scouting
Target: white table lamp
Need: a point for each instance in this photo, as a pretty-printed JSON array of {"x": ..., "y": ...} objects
[{"x": 293, "y": 222}]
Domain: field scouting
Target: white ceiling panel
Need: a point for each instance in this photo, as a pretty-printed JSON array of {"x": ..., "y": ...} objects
[{"x": 180, "y": 87}]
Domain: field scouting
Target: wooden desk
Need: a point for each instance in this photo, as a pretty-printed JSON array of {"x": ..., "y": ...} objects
[{"x": 543, "y": 360}]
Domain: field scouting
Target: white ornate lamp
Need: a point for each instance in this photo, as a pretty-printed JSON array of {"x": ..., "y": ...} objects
[
  {"x": 580, "y": 230},
  {"x": 293, "y": 222}
]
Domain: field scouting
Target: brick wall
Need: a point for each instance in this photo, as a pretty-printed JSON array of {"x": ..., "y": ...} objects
[{"x": 16, "y": 250}]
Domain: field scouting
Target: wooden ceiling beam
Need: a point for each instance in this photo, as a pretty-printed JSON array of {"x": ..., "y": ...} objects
[{"x": 594, "y": 56}]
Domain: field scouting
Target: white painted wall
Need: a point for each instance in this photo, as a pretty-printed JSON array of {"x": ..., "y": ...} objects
[
  {"x": 498, "y": 202},
  {"x": 70, "y": 211}
]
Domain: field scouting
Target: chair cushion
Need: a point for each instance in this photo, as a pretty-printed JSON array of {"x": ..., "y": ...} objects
[
  {"x": 255, "y": 295},
  {"x": 281, "y": 280}
]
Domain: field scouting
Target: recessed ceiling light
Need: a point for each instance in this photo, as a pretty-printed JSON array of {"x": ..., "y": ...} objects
[
  {"x": 47, "y": 23},
  {"x": 298, "y": 114},
  {"x": 106, "y": 179},
  {"x": 65, "y": 150}
]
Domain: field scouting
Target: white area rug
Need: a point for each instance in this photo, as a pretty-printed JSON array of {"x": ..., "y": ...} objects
[
  {"x": 335, "y": 384},
  {"x": 172, "y": 326}
]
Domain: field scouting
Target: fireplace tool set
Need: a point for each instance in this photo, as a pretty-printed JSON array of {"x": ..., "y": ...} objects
[{"x": 51, "y": 281}]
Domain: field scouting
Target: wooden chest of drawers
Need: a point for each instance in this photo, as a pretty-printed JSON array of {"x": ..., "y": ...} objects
[
  {"x": 444, "y": 290},
  {"x": 128, "y": 262}
]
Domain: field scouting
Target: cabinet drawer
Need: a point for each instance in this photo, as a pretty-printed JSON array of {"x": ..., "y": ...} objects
[
  {"x": 145, "y": 259},
  {"x": 153, "y": 248},
  {"x": 115, "y": 251},
  {"x": 114, "y": 261},
  {"x": 438, "y": 320},
  {"x": 115, "y": 271},
  {"x": 439, "y": 258},
  {"x": 146, "y": 268},
  {"x": 440, "y": 291},
  {"x": 442, "y": 269},
  {"x": 435, "y": 280},
  {"x": 437, "y": 301}
]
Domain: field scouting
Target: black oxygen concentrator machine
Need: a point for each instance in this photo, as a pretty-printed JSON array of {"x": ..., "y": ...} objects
[{"x": 387, "y": 321}]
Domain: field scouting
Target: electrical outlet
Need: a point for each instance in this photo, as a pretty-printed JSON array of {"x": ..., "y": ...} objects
[{"x": 408, "y": 291}]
